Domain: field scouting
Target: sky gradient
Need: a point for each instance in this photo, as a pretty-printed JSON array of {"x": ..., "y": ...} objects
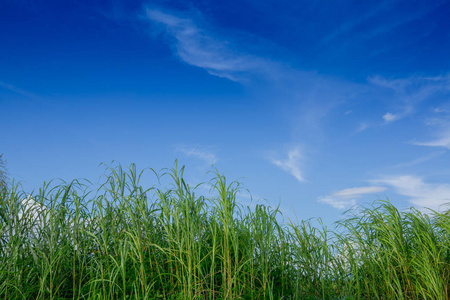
[{"x": 313, "y": 105}]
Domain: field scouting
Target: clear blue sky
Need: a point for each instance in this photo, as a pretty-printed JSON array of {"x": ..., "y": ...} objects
[{"x": 316, "y": 105}]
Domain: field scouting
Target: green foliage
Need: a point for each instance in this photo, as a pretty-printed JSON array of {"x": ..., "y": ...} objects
[{"x": 123, "y": 241}]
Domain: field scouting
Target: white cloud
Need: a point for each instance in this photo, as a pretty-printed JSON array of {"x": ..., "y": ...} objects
[
  {"x": 336, "y": 202},
  {"x": 32, "y": 209},
  {"x": 388, "y": 117},
  {"x": 362, "y": 126},
  {"x": 292, "y": 163},
  {"x": 346, "y": 198},
  {"x": 198, "y": 47},
  {"x": 198, "y": 44},
  {"x": 358, "y": 191},
  {"x": 35, "y": 214},
  {"x": 421, "y": 194},
  {"x": 407, "y": 93},
  {"x": 433, "y": 121},
  {"x": 439, "y": 125},
  {"x": 202, "y": 154},
  {"x": 417, "y": 87},
  {"x": 440, "y": 110},
  {"x": 442, "y": 141}
]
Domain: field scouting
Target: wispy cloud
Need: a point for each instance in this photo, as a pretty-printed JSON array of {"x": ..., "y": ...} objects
[
  {"x": 439, "y": 124},
  {"x": 388, "y": 117},
  {"x": 197, "y": 43},
  {"x": 415, "y": 87},
  {"x": 337, "y": 202},
  {"x": 420, "y": 193},
  {"x": 205, "y": 155},
  {"x": 358, "y": 191},
  {"x": 346, "y": 198},
  {"x": 421, "y": 159},
  {"x": 407, "y": 93},
  {"x": 441, "y": 110},
  {"x": 292, "y": 163},
  {"x": 16, "y": 90},
  {"x": 352, "y": 24},
  {"x": 361, "y": 127},
  {"x": 36, "y": 213},
  {"x": 442, "y": 141},
  {"x": 199, "y": 47},
  {"x": 358, "y": 29}
]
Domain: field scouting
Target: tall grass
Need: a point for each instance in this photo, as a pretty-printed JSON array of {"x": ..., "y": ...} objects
[{"x": 124, "y": 241}]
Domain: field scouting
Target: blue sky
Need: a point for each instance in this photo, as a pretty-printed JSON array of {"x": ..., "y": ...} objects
[{"x": 313, "y": 105}]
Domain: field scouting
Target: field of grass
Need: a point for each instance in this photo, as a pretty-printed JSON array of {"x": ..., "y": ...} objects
[{"x": 123, "y": 241}]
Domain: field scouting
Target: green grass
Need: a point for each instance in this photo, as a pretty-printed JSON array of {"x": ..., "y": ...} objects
[{"x": 123, "y": 241}]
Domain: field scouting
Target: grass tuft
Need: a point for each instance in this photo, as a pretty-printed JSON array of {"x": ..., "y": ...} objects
[{"x": 124, "y": 241}]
